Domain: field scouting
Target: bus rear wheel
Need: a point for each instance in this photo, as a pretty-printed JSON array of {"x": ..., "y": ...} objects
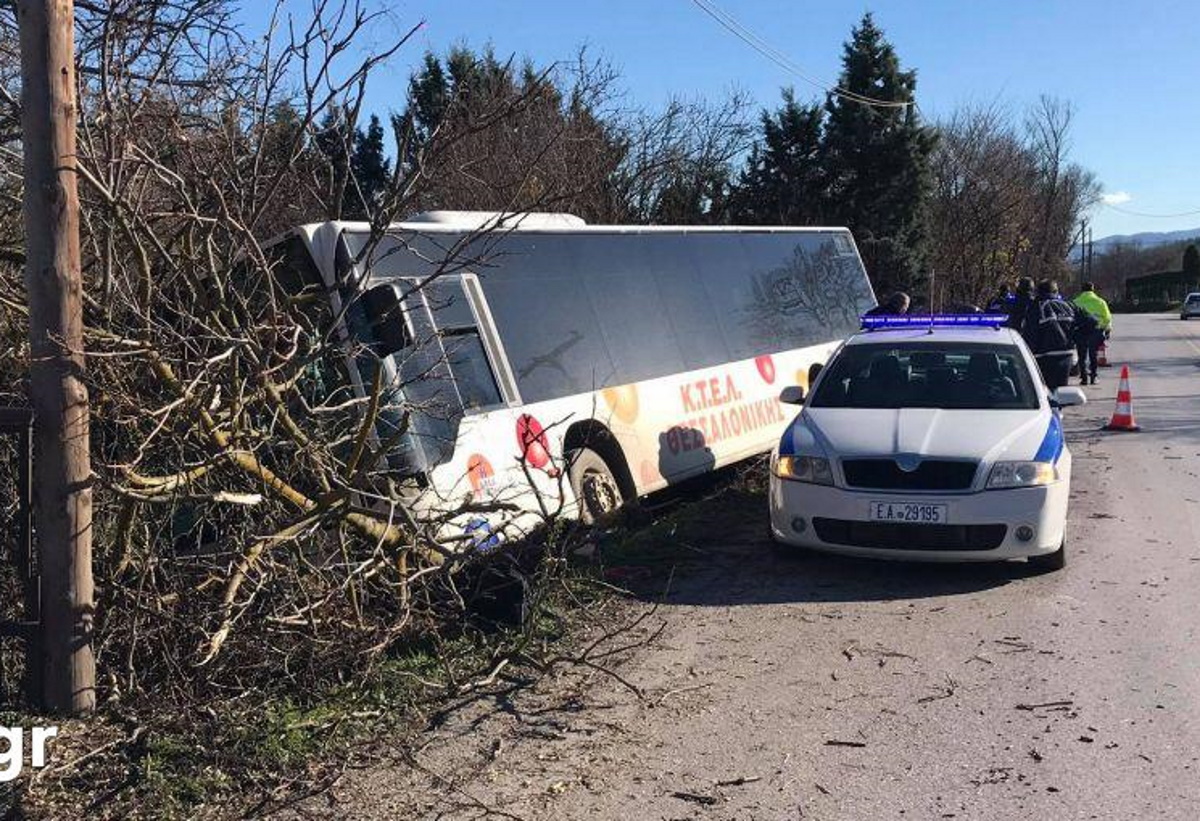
[{"x": 596, "y": 489}]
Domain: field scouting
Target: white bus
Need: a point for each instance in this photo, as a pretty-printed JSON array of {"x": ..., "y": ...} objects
[{"x": 560, "y": 365}]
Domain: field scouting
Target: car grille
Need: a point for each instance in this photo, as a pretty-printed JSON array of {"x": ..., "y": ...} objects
[
  {"x": 902, "y": 536},
  {"x": 931, "y": 474}
]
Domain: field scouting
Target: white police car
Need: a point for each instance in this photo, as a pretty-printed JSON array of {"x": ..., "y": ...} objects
[{"x": 927, "y": 438}]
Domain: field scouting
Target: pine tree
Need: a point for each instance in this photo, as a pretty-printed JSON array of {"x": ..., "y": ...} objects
[
  {"x": 333, "y": 142},
  {"x": 370, "y": 171},
  {"x": 876, "y": 160},
  {"x": 783, "y": 182},
  {"x": 508, "y": 136},
  {"x": 429, "y": 95}
]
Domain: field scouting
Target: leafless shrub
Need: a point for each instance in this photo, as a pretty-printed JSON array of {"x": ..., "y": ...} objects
[
  {"x": 1006, "y": 199},
  {"x": 247, "y": 538}
]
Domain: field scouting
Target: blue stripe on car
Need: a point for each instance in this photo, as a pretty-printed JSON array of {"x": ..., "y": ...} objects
[
  {"x": 1052, "y": 443},
  {"x": 787, "y": 443}
]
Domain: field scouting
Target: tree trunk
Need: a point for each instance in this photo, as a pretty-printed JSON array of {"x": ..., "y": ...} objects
[{"x": 62, "y": 470}]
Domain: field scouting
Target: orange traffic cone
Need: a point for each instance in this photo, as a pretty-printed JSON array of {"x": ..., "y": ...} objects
[
  {"x": 1122, "y": 418},
  {"x": 1102, "y": 356}
]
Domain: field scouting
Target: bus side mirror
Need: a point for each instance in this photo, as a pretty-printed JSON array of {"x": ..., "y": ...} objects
[
  {"x": 792, "y": 395},
  {"x": 814, "y": 370},
  {"x": 385, "y": 317}
]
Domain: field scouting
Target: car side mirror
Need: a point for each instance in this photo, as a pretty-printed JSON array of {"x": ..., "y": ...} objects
[
  {"x": 1068, "y": 396},
  {"x": 814, "y": 370},
  {"x": 792, "y": 395}
]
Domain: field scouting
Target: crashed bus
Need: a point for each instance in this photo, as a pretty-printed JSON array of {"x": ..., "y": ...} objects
[{"x": 546, "y": 365}]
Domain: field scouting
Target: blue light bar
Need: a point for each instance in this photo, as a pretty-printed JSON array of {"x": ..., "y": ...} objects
[{"x": 884, "y": 321}]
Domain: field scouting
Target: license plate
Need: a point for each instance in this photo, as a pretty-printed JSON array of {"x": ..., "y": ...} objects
[{"x": 911, "y": 512}]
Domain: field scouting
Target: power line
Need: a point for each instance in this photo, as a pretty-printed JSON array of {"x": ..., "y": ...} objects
[
  {"x": 780, "y": 59},
  {"x": 730, "y": 24},
  {"x": 1151, "y": 216},
  {"x": 775, "y": 56}
]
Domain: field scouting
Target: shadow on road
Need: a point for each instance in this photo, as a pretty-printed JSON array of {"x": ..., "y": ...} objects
[
  {"x": 708, "y": 546},
  {"x": 752, "y": 574}
]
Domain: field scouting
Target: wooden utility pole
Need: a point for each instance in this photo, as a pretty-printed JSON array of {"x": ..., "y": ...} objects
[
  {"x": 1091, "y": 247},
  {"x": 53, "y": 282},
  {"x": 1083, "y": 253}
]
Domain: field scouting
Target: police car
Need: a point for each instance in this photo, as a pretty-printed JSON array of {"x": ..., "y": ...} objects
[{"x": 926, "y": 438}]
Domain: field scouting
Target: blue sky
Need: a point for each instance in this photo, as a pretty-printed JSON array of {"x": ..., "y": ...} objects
[{"x": 1132, "y": 69}]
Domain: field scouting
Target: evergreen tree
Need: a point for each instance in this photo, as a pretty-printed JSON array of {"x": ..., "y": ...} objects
[
  {"x": 333, "y": 141},
  {"x": 783, "y": 182},
  {"x": 1191, "y": 266},
  {"x": 693, "y": 194},
  {"x": 360, "y": 170},
  {"x": 370, "y": 171},
  {"x": 876, "y": 160},
  {"x": 508, "y": 137},
  {"x": 429, "y": 95}
]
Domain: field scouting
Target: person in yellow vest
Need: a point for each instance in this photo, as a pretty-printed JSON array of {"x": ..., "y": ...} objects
[{"x": 1087, "y": 344}]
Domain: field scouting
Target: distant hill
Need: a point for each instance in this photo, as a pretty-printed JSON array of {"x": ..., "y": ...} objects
[{"x": 1146, "y": 239}]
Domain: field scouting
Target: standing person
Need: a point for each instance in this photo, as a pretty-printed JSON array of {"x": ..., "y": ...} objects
[
  {"x": 1019, "y": 305},
  {"x": 1049, "y": 329},
  {"x": 1088, "y": 340},
  {"x": 897, "y": 303},
  {"x": 1002, "y": 302}
]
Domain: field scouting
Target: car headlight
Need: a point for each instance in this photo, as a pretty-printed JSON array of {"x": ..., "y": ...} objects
[
  {"x": 1021, "y": 474},
  {"x": 813, "y": 469}
]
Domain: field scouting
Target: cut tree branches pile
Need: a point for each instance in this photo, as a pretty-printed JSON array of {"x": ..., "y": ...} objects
[{"x": 253, "y": 555}]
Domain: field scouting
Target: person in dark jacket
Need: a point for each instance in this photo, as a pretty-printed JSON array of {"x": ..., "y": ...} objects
[
  {"x": 1018, "y": 306},
  {"x": 897, "y": 303},
  {"x": 1049, "y": 329},
  {"x": 1002, "y": 301}
]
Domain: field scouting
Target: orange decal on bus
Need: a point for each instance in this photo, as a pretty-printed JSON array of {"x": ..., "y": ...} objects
[
  {"x": 623, "y": 402},
  {"x": 479, "y": 472}
]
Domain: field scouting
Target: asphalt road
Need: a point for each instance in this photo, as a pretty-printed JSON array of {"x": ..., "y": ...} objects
[{"x": 831, "y": 688}]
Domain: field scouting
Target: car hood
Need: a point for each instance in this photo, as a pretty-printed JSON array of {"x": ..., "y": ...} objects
[{"x": 988, "y": 435}]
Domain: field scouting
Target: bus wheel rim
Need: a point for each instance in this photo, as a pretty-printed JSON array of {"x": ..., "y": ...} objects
[{"x": 600, "y": 493}]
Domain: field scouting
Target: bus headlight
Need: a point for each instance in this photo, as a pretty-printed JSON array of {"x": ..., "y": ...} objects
[
  {"x": 812, "y": 469},
  {"x": 1021, "y": 474}
]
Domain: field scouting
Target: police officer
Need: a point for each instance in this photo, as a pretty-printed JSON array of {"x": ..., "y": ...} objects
[
  {"x": 1019, "y": 305},
  {"x": 1002, "y": 302},
  {"x": 1049, "y": 330},
  {"x": 1091, "y": 335},
  {"x": 897, "y": 303}
]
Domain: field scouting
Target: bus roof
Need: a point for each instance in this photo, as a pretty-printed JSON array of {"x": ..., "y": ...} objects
[
  {"x": 456, "y": 222},
  {"x": 321, "y": 238}
]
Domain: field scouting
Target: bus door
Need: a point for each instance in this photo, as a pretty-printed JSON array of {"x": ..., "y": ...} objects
[{"x": 446, "y": 362}]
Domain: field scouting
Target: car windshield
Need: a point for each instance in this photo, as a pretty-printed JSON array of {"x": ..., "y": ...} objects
[
  {"x": 951, "y": 375},
  {"x": 1193, "y": 299}
]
